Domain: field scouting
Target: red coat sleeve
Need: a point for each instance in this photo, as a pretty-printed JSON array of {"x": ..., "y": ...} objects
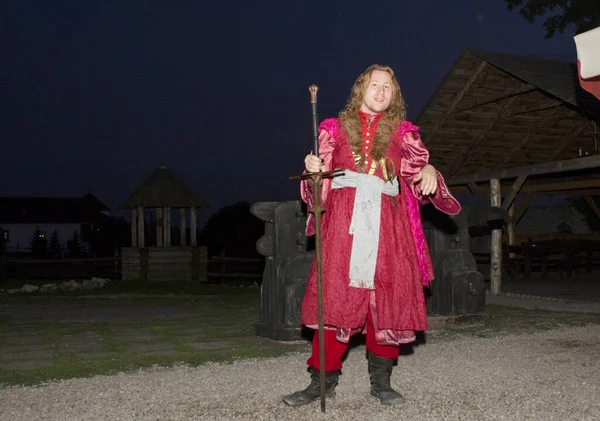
[{"x": 414, "y": 157}]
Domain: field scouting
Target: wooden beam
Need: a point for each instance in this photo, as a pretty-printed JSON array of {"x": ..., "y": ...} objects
[
  {"x": 523, "y": 206},
  {"x": 140, "y": 227},
  {"x": 499, "y": 115},
  {"x": 582, "y": 192},
  {"x": 532, "y": 132},
  {"x": 593, "y": 205},
  {"x": 474, "y": 189},
  {"x": 525, "y": 90},
  {"x": 167, "y": 226},
  {"x": 459, "y": 96},
  {"x": 159, "y": 227},
  {"x": 562, "y": 185},
  {"x": 546, "y": 105},
  {"x": 583, "y": 187},
  {"x": 182, "y": 228},
  {"x": 193, "y": 241},
  {"x": 510, "y": 198},
  {"x": 134, "y": 241},
  {"x": 535, "y": 169},
  {"x": 496, "y": 242},
  {"x": 570, "y": 139},
  {"x": 511, "y": 229}
]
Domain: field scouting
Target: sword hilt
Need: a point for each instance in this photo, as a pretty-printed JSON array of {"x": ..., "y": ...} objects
[{"x": 313, "y": 89}]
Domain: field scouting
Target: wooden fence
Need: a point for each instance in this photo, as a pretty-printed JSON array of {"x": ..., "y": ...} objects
[
  {"x": 163, "y": 263},
  {"x": 224, "y": 269},
  {"x": 218, "y": 269},
  {"x": 85, "y": 268}
]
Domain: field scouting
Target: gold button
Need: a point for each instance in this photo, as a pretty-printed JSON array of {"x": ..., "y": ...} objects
[
  {"x": 367, "y": 141},
  {"x": 368, "y": 133}
]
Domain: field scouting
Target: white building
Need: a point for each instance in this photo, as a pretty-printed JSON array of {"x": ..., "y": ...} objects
[{"x": 21, "y": 216}]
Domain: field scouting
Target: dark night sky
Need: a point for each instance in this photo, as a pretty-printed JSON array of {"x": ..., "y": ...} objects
[{"x": 98, "y": 93}]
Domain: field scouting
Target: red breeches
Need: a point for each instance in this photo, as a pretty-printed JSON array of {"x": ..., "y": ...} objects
[{"x": 334, "y": 349}]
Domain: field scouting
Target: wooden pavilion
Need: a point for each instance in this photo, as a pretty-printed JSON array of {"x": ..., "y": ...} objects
[
  {"x": 160, "y": 259},
  {"x": 517, "y": 125}
]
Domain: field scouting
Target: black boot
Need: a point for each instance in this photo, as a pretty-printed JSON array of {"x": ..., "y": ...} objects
[
  {"x": 380, "y": 372},
  {"x": 313, "y": 391}
]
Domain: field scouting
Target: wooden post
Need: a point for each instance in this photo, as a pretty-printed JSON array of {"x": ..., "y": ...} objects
[
  {"x": 167, "y": 226},
  {"x": 511, "y": 229},
  {"x": 182, "y": 233},
  {"x": 140, "y": 227},
  {"x": 134, "y": 227},
  {"x": 159, "y": 228},
  {"x": 193, "y": 226},
  {"x": 496, "y": 246}
]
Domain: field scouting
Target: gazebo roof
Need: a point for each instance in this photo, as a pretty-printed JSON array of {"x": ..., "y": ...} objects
[
  {"x": 163, "y": 189},
  {"x": 495, "y": 111}
]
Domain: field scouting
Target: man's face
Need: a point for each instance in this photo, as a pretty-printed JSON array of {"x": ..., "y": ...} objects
[{"x": 378, "y": 93}]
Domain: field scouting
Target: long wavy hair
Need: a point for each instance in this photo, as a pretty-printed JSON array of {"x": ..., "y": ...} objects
[{"x": 394, "y": 115}]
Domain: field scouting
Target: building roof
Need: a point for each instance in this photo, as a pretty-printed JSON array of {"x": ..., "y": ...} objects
[
  {"x": 557, "y": 78},
  {"x": 52, "y": 210},
  {"x": 163, "y": 189},
  {"x": 495, "y": 111}
]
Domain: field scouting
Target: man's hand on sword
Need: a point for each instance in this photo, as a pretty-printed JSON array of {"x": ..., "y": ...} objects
[{"x": 312, "y": 163}]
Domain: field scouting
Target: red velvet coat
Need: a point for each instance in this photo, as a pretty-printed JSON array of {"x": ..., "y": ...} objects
[{"x": 403, "y": 263}]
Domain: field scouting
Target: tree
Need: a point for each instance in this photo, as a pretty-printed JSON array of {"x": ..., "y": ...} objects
[
  {"x": 583, "y": 15},
  {"x": 54, "y": 246},
  {"x": 74, "y": 245},
  {"x": 88, "y": 233},
  {"x": 38, "y": 243},
  {"x": 232, "y": 231},
  {"x": 105, "y": 236}
]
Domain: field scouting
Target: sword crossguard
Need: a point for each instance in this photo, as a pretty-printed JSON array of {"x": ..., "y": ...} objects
[{"x": 313, "y": 175}]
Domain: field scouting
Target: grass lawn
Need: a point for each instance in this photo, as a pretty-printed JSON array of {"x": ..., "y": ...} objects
[{"x": 128, "y": 326}]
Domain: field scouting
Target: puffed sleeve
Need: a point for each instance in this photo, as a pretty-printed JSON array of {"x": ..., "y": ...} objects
[
  {"x": 327, "y": 131},
  {"x": 414, "y": 157}
]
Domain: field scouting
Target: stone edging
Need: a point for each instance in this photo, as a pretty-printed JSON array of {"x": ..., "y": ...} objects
[{"x": 535, "y": 297}]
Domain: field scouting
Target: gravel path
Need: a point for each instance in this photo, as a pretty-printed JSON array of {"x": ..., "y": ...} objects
[
  {"x": 551, "y": 375},
  {"x": 543, "y": 303}
]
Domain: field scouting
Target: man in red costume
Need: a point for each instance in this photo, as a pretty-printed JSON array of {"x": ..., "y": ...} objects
[{"x": 375, "y": 257}]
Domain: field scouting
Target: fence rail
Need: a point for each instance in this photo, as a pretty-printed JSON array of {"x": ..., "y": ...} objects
[
  {"x": 28, "y": 261},
  {"x": 224, "y": 269},
  {"x": 221, "y": 269}
]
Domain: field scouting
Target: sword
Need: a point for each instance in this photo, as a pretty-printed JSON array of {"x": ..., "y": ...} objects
[{"x": 316, "y": 210}]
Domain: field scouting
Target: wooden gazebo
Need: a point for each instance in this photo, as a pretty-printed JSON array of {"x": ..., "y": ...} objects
[
  {"x": 162, "y": 192},
  {"x": 517, "y": 125}
]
